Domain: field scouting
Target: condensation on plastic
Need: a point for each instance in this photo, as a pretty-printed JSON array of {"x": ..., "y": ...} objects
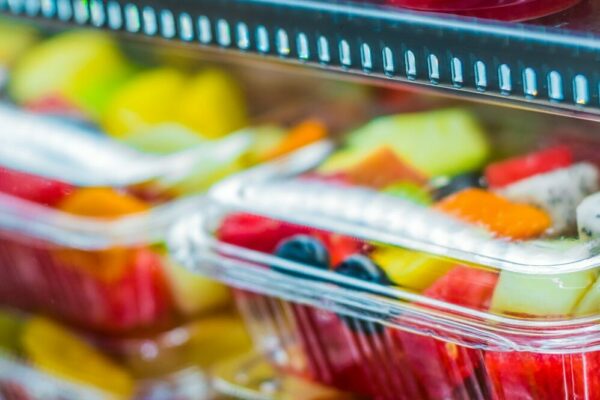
[{"x": 272, "y": 190}]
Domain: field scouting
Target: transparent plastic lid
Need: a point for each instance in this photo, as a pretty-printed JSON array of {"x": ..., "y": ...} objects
[
  {"x": 538, "y": 223},
  {"x": 71, "y": 153}
]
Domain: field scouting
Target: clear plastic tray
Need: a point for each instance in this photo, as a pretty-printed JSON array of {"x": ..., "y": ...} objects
[
  {"x": 41, "y": 359},
  {"x": 458, "y": 312}
]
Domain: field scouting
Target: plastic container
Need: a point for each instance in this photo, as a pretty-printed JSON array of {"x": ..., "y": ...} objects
[
  {"x": 382, "y": 273},
  {"x": 41, "y": 359},
  {"x": 250, "y": 377},
  {"x": 83, "y": 219},
  {"x": 82, "y": 223}
]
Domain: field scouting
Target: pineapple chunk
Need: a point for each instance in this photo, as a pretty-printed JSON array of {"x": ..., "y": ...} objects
[{"x": 409, "y": 268}]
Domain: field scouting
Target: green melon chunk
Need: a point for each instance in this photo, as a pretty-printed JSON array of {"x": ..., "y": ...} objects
[
  {"x": 590, "y": 303},
  {"x": 446, "y": 142},
  {"x": 73, "y": 65},
  {"x": 541, "y": 295},
  {"x": 164, "y": 139}
]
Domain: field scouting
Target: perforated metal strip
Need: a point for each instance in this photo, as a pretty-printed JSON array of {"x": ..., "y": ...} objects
[{"x": 517, "y": 63}]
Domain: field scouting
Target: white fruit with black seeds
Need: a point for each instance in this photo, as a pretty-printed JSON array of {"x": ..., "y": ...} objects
[
  {"x": 588, "y": 217},
  {"x": 558, "y": 192}
]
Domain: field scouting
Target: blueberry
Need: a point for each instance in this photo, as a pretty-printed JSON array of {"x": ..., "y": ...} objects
[
  {"x": 303, "y": 249},
  {"x": 458, "y": 183},
  {"x": 363, "y": 268}
]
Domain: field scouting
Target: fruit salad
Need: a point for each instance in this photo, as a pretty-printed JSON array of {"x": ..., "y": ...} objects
[
  {"x": 416, "y": 228},
  {"x": 111, "y": 285},
  {"x": 70, "y": 364}
]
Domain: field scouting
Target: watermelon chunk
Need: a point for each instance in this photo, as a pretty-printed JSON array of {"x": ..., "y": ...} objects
[
  {"x": 443, "y": 368},
  {"x": 520, "y": 376},
  {"x": 512, "y": 170},
  {"x": 33, "y": 188},
  {"x": 465, "y": 286},
  {"x": 256, "y": 232}
]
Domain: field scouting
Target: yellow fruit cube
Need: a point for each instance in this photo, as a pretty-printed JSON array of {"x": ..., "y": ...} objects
[
  {"x": 53, "y": 349},
  {"x": 409, "y": 268}
]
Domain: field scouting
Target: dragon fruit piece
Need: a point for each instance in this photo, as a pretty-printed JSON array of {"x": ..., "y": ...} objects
[
  {"x": 588, "y": 217},
  {"x": 559, "y": 192}
]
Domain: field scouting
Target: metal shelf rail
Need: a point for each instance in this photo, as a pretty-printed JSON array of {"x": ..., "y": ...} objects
[{"x": 531, "y": 65}]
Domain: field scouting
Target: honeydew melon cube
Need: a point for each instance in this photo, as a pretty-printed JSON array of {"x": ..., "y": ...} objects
[
  {"x": 445, "y": 142},
  {"x": 541, "y": 295}
]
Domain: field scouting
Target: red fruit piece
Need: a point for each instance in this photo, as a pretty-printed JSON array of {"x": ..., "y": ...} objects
[
  {"x": 465, "y": 286},
  {"x": 255, "y": 232},
  {"x": 339, "y": 246},
  {"x": 13, "y": 390},
  {"x": 33, "y": 188},
  {"x": 441, "y": 367},
  {"x": 264, "y": 234},
  {"x": 34, "y": 280},
  {"x": 524, "y": 376},
  {"x": 360, "y": 363},
  {"x": 512, "y": 170},
  {"x": 141, "y": 298}
]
